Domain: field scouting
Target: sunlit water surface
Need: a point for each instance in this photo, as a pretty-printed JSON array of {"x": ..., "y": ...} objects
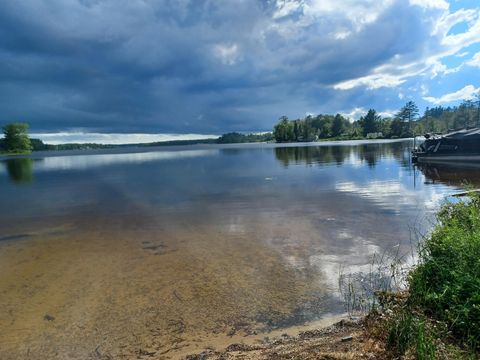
[{"x": 160, "y": 251}]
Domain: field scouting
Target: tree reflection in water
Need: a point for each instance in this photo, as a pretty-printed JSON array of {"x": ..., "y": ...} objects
[
  {"x": 338, "y": 154},
  {"x": 20, "y": 170}
]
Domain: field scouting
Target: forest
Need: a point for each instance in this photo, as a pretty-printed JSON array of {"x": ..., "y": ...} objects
[{"x": 406, "y": 123}]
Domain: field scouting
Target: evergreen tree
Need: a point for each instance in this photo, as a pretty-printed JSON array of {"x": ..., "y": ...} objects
[
  {"x": 370, "y": 122},
  {"x": 338, "y": 125},
  {"x": 408, "y": 112}
]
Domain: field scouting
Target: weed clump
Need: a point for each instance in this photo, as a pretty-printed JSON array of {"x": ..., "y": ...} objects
[
  {"x": 437, "y": 315},
  {"x": 446, "y": 283},
  {"x": 410, "y": 333}
]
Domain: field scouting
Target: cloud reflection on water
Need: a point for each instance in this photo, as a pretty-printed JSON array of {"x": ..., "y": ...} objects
[
  {"x": 320, "y": 208},
  {"x": 84, "y": 162}
]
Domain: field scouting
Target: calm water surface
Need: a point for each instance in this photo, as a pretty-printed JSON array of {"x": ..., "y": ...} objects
[{"x": 160, "y": 249}]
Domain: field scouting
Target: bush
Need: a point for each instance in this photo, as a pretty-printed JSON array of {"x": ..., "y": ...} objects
[{"x": 446, "y": 284}]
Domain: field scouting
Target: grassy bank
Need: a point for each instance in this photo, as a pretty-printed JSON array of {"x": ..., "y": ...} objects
[
  {"x": 7, "y": 153},
  {"x": 439, "y": 316}
]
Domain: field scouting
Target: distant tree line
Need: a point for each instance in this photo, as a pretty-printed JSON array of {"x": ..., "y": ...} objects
[
  {"x": 39, "y": 145},
  {"x": 440, "y": 119},
  {"x": 235, "y": 137},
  {"x": 405, "y": 123}
]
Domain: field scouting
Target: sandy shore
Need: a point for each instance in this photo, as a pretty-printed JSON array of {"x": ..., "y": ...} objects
[{"x": 343, "y": 340}]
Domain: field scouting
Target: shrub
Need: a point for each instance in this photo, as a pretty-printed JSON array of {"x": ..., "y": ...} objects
[{"x": 446, "y": 284}]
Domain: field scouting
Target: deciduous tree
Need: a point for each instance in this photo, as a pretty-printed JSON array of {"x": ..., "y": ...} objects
[{"x": 16, "y": 138}]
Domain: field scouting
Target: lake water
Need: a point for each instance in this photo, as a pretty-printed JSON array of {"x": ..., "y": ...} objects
[{"x": 167, "y": 250}]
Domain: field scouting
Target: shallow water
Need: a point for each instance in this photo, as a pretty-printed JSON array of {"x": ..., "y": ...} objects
[{"x": 162, "y": 251}]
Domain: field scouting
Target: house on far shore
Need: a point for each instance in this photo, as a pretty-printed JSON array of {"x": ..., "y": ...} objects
[{"x": 375, "y": 135}]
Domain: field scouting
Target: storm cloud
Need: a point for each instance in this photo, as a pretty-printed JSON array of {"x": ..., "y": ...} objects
[{"x": 204, "y": 66}]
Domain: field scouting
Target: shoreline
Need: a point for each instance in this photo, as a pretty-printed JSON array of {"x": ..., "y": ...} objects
[
  {"x": 221, "y": 343},
  {"x": 127, "y": 149},
  {"x": 344, "y": 338}
]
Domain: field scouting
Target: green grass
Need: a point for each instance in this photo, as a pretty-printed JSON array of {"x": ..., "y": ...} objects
[
  {"x": 446, "y": 284},
  {"x": 442, "y": 309},
  {"x": 409, "y": 333}
]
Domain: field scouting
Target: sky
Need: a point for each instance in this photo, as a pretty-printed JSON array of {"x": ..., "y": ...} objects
[{"x": 179, "y": 68}]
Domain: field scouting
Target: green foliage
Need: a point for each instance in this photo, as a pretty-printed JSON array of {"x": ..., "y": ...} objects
[
  {"x": 338, "y": 125},
  {"x": 311, "y": 128},
  {"x": 284, "y": 130},
  {"x": 439, "y": 316},
  {"x": 370, "y": 122},
  {"x": 326, "y": 126},
  {"x": 408, "y": 333},
  {"x": 406, "y": 123},
  {"x": 16, "y": 138},
  {"x": 447, "y": 282},
  {"x": 441, "y": 119},
  {"x": 38, "y": 145},
  {"x": 234, "y": 137},
  {"x": 408, "y": 112}
]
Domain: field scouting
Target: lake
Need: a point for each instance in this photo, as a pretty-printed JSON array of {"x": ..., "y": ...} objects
[{"x": 131, "y": 252}]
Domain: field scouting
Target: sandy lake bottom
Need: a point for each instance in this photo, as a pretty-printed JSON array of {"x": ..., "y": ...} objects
[{"x": 120, "y": 256}]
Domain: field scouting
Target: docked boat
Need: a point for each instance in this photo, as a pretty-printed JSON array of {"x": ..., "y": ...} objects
[{"x": 460, "y": 145}]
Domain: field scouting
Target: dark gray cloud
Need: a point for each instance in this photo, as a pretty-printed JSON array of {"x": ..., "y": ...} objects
[{"x": 204, "y": 66}]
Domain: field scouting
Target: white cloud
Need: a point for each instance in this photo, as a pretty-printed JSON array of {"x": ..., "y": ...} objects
[
  {"x": 83, "y": 162},
  {"x": 475, "y": 61},
  {"x": 227, "y": 54},
  {"x": 355, "y": 113},
  {"x": 374, "y": 81},
  {"x": 448, "y": 20},
  {"x": 340, "y": 35},
  {"x": 112, "y": 139},
  {"x": 440, "y": 68},
  {"x": 358, "y": 112},
  {"x": 423, "y": 89},
  {"x": 434, "y": 4},
  {"x": 358, "y": 13},
  {"x": 388, "y": 113},
  {"x": 286, "y": 7},
  {"x": 401, "y": 67},
  {"x": 466, "y": 93},
  {"x": 390, "y": 194}
]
